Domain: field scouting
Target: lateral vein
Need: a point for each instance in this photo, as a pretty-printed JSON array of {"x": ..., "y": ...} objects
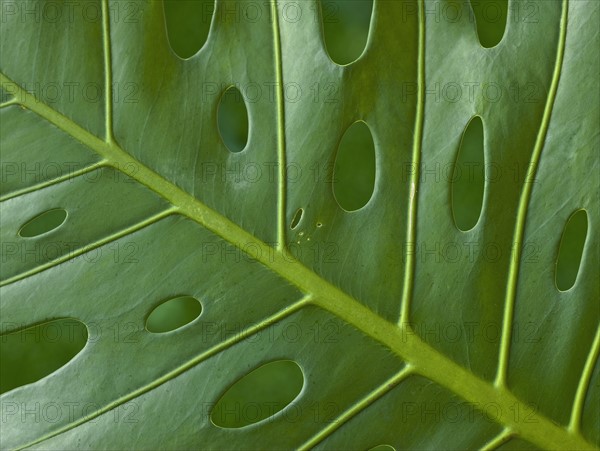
[{"x": 511, "y": 291}]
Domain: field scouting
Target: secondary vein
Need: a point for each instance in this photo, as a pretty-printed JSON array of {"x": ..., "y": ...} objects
[
  {"x": 414, "y": 182},
  {"x": 107, "y": 72},
  {"x": 515, "y": 257},
  {"x": 281, "y": 156}
]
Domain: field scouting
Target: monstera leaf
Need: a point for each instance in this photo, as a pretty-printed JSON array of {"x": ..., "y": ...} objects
[{"x": 392, "y": 321}]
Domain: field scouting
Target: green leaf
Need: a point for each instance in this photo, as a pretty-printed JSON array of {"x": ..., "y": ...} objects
[{"x": 408, "y": 331}]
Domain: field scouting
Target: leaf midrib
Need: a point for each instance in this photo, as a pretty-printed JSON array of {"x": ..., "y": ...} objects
[{"x": 401, "y": 339}]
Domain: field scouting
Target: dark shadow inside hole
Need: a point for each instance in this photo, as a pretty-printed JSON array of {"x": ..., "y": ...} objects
[
  {"x": 188, "y": 24},
  {"x": 275, "y": 384},
  {"x": 43, "y": 223},
  {"x": 232, "y": 119},
  {"x": 173, "y": 314},
  {"x": 33, "y": 353},
  {"x": 571, "y": 250},
  {"x": 346, "y": 28},
  {"x": 468, "y": 178}
]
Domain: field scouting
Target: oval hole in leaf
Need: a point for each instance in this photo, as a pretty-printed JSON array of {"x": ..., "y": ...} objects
[
  {"x": 468, "y": 178},
  {"x": 355, "y": 166},
  {"x": 188, "y": 24},
  {"x": 173, "y": 314},
  {"x": 571, "y": 250},
  {"x": 490, "y": 16},
  {"x": 43, "y": 223},
  {"x": 275, "y": 384},
  {"x": 297, "y": 218},
  {"x": 232, "y": 119},
  {"x": 346, "y": 28},
  {"x": 33, "y": 353},
  {"x": 383, "y": 448}
]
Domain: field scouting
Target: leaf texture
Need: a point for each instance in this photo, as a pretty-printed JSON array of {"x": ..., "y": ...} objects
[{"x": 442, "y": 339}]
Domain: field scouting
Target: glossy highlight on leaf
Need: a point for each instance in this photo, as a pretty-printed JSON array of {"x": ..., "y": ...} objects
[{"x": 383, "y": 448}]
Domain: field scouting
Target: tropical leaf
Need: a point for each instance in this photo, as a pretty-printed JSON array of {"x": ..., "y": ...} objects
[{"x": 408, "y": 326}]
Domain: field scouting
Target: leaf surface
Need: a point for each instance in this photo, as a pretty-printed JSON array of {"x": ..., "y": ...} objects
[{"x": 408, "y": 331}]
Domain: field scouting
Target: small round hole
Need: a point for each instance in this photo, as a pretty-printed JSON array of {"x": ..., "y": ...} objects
[{"x": 297, "y": 218}]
